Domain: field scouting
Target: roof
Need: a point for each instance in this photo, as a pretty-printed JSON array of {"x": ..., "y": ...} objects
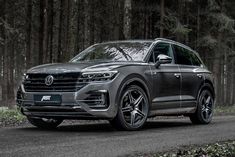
[{"x": 149, "y": 40}]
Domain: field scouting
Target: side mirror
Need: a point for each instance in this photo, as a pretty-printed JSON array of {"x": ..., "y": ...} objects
[{"x": 163, "y": 59}]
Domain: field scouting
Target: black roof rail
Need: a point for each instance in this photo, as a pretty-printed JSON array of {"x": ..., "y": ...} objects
[{"x": 169, "y": 40}]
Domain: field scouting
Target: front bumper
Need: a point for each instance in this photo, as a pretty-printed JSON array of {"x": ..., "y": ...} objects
[{"x": 74, "y": 105}]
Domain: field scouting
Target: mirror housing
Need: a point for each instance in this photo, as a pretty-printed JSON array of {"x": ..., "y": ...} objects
[{"x": 163, "y": 59}]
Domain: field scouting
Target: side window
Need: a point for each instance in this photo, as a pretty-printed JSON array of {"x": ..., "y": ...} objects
[
  {"x": 183, "y": 56},
  {"x": 161, "y": 48},
  {"x": 151, "y": 59},
  {"x": 195, "y": 60},
  {"x": 186, "y": 57}
]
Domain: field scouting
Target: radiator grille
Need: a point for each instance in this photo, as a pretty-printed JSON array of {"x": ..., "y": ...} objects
[{"x": 67, "y": 82}]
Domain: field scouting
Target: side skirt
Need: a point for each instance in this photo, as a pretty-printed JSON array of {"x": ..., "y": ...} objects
[
  {"x": 172, "y": 112},
  {"x": 173, "y": 108}
]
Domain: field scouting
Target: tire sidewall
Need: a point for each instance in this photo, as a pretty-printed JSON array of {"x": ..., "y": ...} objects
[
  {"x": 199, "y": 108},
  {"x": 120, "y": 114}
]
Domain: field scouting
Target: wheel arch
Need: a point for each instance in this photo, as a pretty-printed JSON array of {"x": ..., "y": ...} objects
[
  {"x": 134, "y": 79},
  {"x": 209, "y": 86}
]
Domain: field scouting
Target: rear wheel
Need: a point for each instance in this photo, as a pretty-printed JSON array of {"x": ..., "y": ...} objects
[
  {"x": 133, "y": 109},
  {"x": 204, "y": 112},
  {"x": 45, "y": 123}
]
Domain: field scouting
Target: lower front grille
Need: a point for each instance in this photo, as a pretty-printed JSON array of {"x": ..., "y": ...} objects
[
  {"x": 67, "y": 82},
  {"x": 97, "y": 100}
]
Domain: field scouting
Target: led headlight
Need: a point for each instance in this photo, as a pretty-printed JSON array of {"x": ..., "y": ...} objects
[{"x": 98, "y": 76}]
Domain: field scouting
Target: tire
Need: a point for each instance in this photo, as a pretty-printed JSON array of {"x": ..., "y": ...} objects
[
  {"x": 133, "y": 109},
  {"x": 205, "y": 107},
  {"x": 44, "y": 123}
]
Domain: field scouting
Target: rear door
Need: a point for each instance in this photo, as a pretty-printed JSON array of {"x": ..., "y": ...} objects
[{"x": 191, "y": 75}]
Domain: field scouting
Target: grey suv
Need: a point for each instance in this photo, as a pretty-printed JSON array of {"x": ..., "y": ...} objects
[{"x": 124, "y": 82}]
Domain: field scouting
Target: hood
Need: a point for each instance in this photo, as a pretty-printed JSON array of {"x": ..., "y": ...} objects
[{"x": 78, "y": 67}]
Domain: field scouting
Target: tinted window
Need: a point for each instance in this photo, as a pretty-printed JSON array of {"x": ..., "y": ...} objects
[
  {"x": 195, "y": 60},
  {"x": 186, "y": 57},
  {"x": 161, "y": 48}
]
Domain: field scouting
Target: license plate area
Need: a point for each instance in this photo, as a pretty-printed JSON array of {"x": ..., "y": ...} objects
[{"x": 47, "y": 99}]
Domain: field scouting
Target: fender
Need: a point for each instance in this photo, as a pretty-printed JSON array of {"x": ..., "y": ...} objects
[
  {"x": 130, "y": 79},
  {"x": 206, "y": 85}
]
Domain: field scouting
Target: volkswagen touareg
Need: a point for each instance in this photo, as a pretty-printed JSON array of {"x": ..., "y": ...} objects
[{"x": 124, "y": 82}]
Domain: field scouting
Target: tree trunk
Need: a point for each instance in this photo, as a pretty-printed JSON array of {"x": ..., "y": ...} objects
[
  {"x": 116, "y": 12},
  {"x": 1, "y": 66},
  {"x": 4, "y": 50},
  {"x": 59, "y": 53},
  {"x": 92, "y": 22},
  {"x": 179, "y": 16},
  {"x": 121, "y": 17},
  {"x": 10, "y": 57},
  {"x": 233, "y": 87},
  {"x": 232, "y": 97},
  {"x": 50, "y": 28},
  {"x": 28, "y": 34},
  {"x": 77, "y": 35},
  {"x": 10, "y": 80},
  {"x": 162, "y": 14},
  {"x": 86, "y": 23},
  {"x": 127, "y": 19},
  {"x": 217, "y": 70},
  {"x": 198, "y": 23},
  {"x": 187, "y": 22},
  {"x": 67, "y": 30},
  {"x": 40, "y": 34},
  {"x": 43, "y": 32},
  {"x": 228, "y": 62},
  {"x": 2, "y": 13}
]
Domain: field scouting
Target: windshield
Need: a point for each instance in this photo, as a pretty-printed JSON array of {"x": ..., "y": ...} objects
[{"x": 122, "y": 51}]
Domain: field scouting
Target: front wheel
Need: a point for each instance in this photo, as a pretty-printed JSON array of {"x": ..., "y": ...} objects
[
  {"x": 133, "y": 109},
  {"x": 44, "y": 123},
  {"x": 204, "y": 112}
]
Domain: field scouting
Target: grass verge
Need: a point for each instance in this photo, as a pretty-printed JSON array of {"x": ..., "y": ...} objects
[
  {"x": 224, "y": 149},
  {"x": 11, "y": 117},
  {"x": 225, "y": 110}
]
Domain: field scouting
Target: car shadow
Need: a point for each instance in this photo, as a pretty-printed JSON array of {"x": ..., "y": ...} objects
[
  {"x": 166, "y": 124},
  {"x": 106, "y": 127}
]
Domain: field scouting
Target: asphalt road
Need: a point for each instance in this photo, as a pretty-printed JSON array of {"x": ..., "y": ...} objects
[{"x": 101, "y": 140}]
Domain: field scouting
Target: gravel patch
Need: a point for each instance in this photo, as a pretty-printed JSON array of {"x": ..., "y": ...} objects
[{"x": 6, "y": 122}]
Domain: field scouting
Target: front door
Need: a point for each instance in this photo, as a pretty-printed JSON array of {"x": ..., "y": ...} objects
[{"x": 166, "y": 80}]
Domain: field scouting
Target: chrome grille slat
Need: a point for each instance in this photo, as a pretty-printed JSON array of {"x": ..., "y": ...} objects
[{"x": 67, "y": 82}]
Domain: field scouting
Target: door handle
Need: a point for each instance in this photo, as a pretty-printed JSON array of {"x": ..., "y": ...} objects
[
  {"x": 199, "y": 75},
  {"x": 177, "y": 75}
]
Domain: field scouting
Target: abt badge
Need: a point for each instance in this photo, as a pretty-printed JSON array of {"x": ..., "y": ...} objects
[{"x": 46, "y": 98}]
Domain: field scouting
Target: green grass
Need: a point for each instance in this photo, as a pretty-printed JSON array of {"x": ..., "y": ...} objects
[
  {"x": 224, "y": 149},
  {"x": 11, "y": 117},
  {"x": 225, "y": 110}
]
